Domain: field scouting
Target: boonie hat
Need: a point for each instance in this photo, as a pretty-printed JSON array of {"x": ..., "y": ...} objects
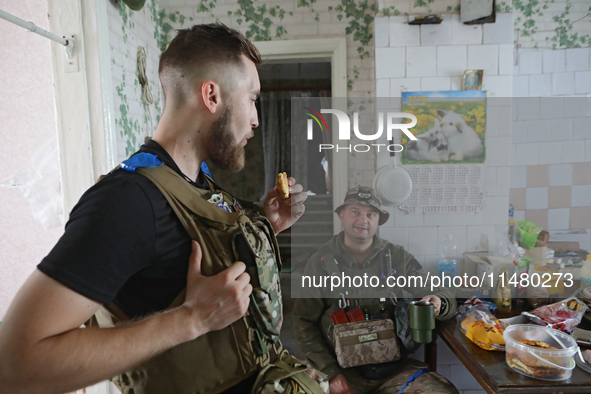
[{"x": 364, "y": 196}]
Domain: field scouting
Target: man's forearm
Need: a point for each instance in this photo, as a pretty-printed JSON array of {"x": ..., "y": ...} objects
[{"x": 81, "y": 357}]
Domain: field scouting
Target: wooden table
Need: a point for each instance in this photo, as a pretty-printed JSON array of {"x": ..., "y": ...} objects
[{"x": 491, "y": 371}]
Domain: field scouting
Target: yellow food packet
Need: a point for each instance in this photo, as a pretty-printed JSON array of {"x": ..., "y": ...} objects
[{"x": 484, "y": 330}]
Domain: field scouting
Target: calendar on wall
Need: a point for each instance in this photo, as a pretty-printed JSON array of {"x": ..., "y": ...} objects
[
  {"x": 449, "y": 188},
  {"x": 446, "y": 159}
]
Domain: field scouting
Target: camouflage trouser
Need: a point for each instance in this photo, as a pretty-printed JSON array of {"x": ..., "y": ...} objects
[{"x": 430, "y": 383}]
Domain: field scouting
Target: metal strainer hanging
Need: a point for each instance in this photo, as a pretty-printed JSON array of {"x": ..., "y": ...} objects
[{"x": 393, "y": 184}]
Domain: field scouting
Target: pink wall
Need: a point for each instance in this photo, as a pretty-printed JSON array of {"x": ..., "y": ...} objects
[{"x": 27, "y": 119}]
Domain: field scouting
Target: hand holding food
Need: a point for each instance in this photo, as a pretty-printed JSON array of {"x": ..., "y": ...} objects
[{"x": 283, "y": 185}]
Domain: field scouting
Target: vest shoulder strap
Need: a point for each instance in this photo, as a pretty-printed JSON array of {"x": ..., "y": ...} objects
[{"x": 172, "y": 184}]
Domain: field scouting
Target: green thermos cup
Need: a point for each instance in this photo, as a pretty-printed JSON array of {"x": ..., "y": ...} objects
[{"x": 422, "y": 321}]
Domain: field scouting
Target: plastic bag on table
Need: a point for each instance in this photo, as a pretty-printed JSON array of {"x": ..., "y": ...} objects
[
  {"x": 40, "y": 183},
  {"x": 480, "y": 326},
  {"x": 564, "y": 315}
]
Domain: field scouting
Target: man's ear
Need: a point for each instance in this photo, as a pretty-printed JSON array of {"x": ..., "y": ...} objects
[{"x": 211, "y": 95}]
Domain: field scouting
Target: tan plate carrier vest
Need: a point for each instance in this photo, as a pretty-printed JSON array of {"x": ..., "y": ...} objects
[{"x": 220, "y": 359}]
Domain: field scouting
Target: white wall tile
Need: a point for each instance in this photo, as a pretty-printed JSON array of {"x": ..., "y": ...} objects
[
  {"x": 528, "y": 108},
  {"x": 451, "y": 60},
  {"x": 498, "y": 151},
  {"x": 390, "y": 62},
  {"x": 464, "y": 34},
  {"x": 398, "y": 85},
  {"x": 495, "y": 211},
  {"x": 456, "y": 83},
  {"x": 461, "y": 378},
  {"x": 490, "y": 180},
  {"x": 582, "y": 128},
  {"x": 383, "y": 87},
  {"x": 503, "y": 181},
  {"x": 554, "y": 60},
  {"x": 561, "y": 174},
  {"x": 484, "y": 57},
  {"x": 467, "y": 219},
  {"x": 396, "y": 235},
  {"x": 574, "y": 106},
  {"x": 500, "y": 32},
  {"x": 540, "y": 85},
  {"x": 538, "y": 131},
  {"x": 558, "y": 219},
  {"x": 581, "y": 196},
  {"x": 573, "y": 151},
  {"x": 492, "y": 119},
  {"x": 436, "y": 84},
  {"x": 445, "y": 356},
  {"x": 504, "y": 122},
  {"x": 519, "y": 131},
  {"x": 474, "y": 236},
  {"x": 583, "y": 82},
  {"x": 551, "y": 107},
  {"x": 577, "y": 59},
  {"x": 437, "y": 34},
  {"x": 550, "y": 153},
  {"x": 498, "y": 86},
  {"x": 536, "y": 198},
  {"x": 520, "y": 87},
  {"x": 519, "y": 215},
  {"x": 506, "y": 59},
  {"x": 530, "y": 61},
  {"x": 421, "y": 61},
  {"x": 422, "y": 241},
  {"x": 526, "y": 154},
  {"x": 563, "y": 83},
  {"x": 382, "y": 31},
  {"x": 458, "y": 238},
  {"x": 402, "y": 34},
  {"x": 438, "y": 219},
  {"x": 561, "y": 129},
  {"x": 518, "y": 177}
]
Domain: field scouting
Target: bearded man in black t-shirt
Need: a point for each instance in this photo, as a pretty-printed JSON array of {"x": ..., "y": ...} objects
[{"x": 124, "y": 244}]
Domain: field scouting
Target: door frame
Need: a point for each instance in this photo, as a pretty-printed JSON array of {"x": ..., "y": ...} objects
[{"x": 316, "y": 49}]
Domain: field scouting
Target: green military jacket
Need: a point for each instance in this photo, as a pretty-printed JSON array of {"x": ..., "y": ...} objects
[{"x": 312, "y": 321}]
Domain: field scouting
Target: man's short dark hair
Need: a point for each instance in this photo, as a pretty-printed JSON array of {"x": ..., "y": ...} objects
[{"x": 199, "y": 50}]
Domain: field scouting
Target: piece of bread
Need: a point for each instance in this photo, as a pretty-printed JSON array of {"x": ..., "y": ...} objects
[
  {"x": 540, "y": 344},
  {"x": 283, "y": 185}
]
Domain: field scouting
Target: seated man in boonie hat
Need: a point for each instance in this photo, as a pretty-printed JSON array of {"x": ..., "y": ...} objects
[{"x": 356, "y": 251}]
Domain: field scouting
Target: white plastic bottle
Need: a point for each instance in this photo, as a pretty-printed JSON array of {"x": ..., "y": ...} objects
[{"x": 586, "y": 273}]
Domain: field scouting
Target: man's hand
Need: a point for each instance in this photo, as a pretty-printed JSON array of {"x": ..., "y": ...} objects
[
  {"x": 435, "y": 300},
  {"x": 283, "y": 213},
  {"x": 216, "y": 301},
  {"x": 340, "y": 385}
]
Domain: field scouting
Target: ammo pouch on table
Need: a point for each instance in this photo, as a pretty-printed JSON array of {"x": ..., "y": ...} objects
[{"x": 219, "y": 359}]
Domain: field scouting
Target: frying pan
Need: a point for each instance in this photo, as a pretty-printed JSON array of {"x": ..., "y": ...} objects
[{"x": 393, "y": 184}]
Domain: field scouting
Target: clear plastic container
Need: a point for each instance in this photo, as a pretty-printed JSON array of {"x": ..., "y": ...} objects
[{"x": 537, "y": 362}]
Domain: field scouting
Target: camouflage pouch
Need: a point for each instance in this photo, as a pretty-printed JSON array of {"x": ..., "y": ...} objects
[
  {"x": 252, "y": 246},
  {"x": 366, "y": 342},
  {"x": 290, "y": 375}
]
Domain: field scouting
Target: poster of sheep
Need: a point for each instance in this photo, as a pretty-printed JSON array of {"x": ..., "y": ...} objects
[{"x": 450, "y": 128}]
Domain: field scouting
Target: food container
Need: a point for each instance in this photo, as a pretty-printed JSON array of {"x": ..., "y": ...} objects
[{"x": 538, "y": 362}]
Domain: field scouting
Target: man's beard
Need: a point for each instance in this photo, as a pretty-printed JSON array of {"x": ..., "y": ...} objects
[{"x": 224, "y": 152}]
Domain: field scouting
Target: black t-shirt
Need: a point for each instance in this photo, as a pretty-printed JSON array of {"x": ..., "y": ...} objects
[{"x": 124, "y": 244}]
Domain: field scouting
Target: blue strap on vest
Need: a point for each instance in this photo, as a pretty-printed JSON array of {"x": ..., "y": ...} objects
[
  {"x": 414, "y": 376},
  {"x": 140, "y": 160}
]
